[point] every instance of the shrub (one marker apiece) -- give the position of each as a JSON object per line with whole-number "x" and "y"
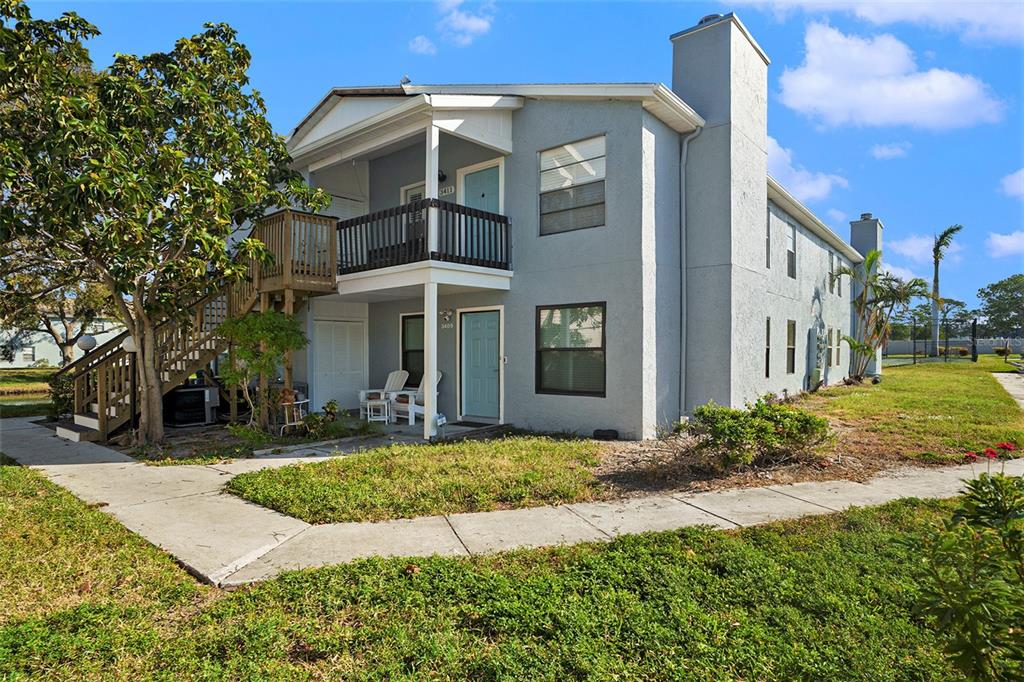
{"x": 765, "y": 431}
{"x": 250, "y": 435}
{"x": 973, "y": 579}
{"x": 1003, "y": 352}
{"x": 62, "y": 394}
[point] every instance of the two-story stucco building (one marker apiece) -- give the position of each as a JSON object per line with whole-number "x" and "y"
{"x": 600, "y": 255}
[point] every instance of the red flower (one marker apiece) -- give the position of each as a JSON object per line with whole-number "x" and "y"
{"x": 991, "y": 453}
{"x": 971, "y": 457}
{"x": 1010, "y": 447}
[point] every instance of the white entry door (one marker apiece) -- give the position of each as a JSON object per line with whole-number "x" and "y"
{"x": 339, "y": 367}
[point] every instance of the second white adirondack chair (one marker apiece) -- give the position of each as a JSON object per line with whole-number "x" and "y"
{"x": 410, "y": 403}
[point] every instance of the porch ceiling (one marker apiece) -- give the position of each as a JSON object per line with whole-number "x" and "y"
{"x": 406, "y": 281}
{"x": 413, "y": 291}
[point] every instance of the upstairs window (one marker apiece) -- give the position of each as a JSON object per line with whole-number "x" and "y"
{"x": 571, "y": 349}
{"x": 839, "y": 279}
{"x": 572, "y": 186}
{"x": 767, "y": 347}
{"x": 839, "y": 337}
{"x": 768, "y": 240}
{"x": 831, "y": 272}
{"x": 791, "y": 251}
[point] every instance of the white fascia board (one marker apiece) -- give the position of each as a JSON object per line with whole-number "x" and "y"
{"x": 421, "y": 272}
{"x": 445, "y": 102}
{"x": 415, "y": 106}
{"x": 793, "y": 207}
{"x": 656, "y": 97}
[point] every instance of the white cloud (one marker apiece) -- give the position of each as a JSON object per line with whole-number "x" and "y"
{"x": 918, "y": 248}
{"x": 974, "y": 20}
{"x": 836, "y": 216}
{"x": 850, "y": 80}
{"x": 898, "y": 271}
{"x": 805, "y": 185}
{"x": 999, "y": 245}
{"x": 422, "y": 45}
{"x": 893, "y": 150}
{"x": 463, "y": 26}
{"x": 1013, "y": 184}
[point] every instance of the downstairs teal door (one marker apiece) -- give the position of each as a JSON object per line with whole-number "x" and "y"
{"x": 481, "y": 364}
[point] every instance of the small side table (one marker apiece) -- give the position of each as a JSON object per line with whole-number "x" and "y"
{"x": 378, "y": 411}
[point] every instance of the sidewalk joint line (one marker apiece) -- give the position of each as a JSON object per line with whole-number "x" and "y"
{"x": 707, "y": 511}
{"x": 588, "y": 522}
{"x": 456, "y": 534}
{"x": 800, "y": 499}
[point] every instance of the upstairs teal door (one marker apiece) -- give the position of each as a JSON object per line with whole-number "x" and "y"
{"x": 480, "y": 189}
{"x": 481, "y": 374}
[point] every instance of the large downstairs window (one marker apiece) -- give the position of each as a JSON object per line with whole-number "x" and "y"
{"x": 572, "y": 186}
{"x": 571, "y": 349}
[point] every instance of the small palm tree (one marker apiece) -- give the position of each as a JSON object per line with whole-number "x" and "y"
{"x": 879, "y": 296}
{"x": 942, "y": 242}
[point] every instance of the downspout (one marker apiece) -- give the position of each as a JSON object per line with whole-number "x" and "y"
{"x": 682, "y": 268}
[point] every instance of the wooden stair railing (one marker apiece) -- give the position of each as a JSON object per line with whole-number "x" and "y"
{"x": 102, "y": 379}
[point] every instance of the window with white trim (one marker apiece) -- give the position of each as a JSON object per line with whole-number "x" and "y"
{"x": 572, "y": 186}
{"x": 28, "y": 354}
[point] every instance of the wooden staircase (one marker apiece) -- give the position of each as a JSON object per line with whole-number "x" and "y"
{"x": 304, "y": 250}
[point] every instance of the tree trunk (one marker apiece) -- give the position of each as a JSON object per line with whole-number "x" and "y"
{"x": 151, "y": 417}
{"x": 67, "y": 353}
{"x": 935, "y": 310}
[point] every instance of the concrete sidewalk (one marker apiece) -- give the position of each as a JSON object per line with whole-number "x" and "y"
{"x": 228, "y": 541}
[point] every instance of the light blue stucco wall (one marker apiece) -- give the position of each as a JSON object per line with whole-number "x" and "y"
{"x": 596, "y": 264}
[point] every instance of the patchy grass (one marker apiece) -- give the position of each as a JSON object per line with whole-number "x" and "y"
{"x": 821, "y": 598}
{"x": 25, "y": 380}
{"x": 931, "y": 412}
{"x": 403, "y": 481}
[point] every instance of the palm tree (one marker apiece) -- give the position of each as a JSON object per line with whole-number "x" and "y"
{"x": 879, "y": 296}
{"x": 942, "y": 242}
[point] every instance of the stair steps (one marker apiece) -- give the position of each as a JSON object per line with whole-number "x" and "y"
{"x": 77, "y": 433}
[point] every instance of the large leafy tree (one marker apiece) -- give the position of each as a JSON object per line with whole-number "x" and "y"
{"x": 942, "y": 242}
{"x": 1002, "y": 305}
{"x": 137, "y": 176}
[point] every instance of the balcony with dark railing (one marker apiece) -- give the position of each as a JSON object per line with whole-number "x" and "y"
{"x": 401, "y": 235}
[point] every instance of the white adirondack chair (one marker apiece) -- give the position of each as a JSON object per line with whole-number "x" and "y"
{"x": 408, "y": 404}
{"x": 396, "y": 382}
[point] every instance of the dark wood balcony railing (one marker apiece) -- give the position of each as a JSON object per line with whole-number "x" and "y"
{"x": 398, "y": 235}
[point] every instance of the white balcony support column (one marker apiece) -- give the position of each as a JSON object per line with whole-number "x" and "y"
{"x": 430, "y": 184}
{"x": 429, "y": 359}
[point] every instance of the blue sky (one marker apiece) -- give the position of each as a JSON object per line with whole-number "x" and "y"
{"x": 910, "y": 110}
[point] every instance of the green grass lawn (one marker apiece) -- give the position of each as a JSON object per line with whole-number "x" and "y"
{"x": 931, "y": 411}
{"x": 403, "y": 481}
{"x": 27, "y": 380}
{"x": 823, "y": 598}
{"x": 41, "y": 409}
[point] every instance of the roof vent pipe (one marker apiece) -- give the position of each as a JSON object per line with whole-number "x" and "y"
{"x": 708, "y": 18}
{"x": 866, "y": 216}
